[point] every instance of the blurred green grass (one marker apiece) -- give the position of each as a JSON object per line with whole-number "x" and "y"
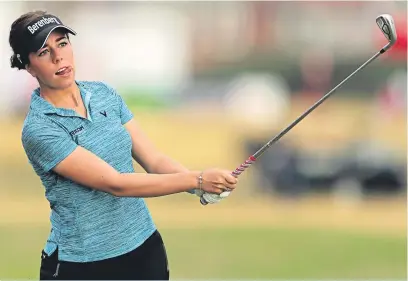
{"x": 240, "y": 253}
{"x": 211, "y": 252}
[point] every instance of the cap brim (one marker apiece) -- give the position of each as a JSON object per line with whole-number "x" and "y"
{"x": 42, "y": 37}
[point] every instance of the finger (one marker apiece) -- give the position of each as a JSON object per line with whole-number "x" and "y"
{"x": 229, "y": 186}
{"x": 217, "y": 190}
{"x": 229, "y": 178}
{"x": 219, "y": 186}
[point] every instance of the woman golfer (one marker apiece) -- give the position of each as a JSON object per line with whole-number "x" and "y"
{"x": 80, "y": 139}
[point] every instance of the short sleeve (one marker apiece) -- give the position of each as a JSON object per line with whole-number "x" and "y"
{"x": 46, "y": 144}
{"x": 125, "y": 114}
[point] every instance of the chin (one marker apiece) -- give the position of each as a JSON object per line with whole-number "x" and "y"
{"x": 65, "y": 83}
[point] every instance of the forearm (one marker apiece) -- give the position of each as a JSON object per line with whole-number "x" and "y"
{"x": 166, "y": 165}
{"x": 154, "y": 185}
{"x": 85, "y": 168}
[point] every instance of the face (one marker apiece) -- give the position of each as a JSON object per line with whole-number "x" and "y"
{"x": 53, "y": 65}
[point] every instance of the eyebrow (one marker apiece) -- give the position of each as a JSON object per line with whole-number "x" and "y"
{"x": 58, "y": 39}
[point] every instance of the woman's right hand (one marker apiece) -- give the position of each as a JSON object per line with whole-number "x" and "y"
{"x": 218, "y": 180}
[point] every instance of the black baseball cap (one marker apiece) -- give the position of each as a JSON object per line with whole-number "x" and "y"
{"x": 39, "y": 29}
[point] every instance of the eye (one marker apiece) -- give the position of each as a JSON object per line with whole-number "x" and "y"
{"x": 42, "y": 53}
{"x": 63, "y": 44}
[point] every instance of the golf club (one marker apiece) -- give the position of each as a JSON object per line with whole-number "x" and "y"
{"x": 386, "y": 23}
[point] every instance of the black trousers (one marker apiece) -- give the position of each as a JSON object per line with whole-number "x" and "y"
{"x": 147, "y": 262}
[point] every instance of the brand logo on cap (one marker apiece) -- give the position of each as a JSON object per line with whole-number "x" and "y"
{"x": 42, "y": 22}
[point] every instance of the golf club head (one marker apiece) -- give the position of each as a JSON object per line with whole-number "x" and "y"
{"x": 386, "y": 23}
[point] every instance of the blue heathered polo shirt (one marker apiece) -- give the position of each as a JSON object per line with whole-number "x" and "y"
{"x": 86, "y": 224}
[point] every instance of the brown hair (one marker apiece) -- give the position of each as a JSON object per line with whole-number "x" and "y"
{"x": 16, "y": 39}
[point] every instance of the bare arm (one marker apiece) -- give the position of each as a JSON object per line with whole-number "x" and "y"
{"x": 148, "y": 156}
{"x": 87, "y": 169}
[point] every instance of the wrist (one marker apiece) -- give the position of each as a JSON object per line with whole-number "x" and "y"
{"x": 194, "y": 180}
{"x": 200, "y": 181}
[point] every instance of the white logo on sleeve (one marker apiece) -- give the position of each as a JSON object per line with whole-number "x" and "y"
{"x": 44, "y": 21}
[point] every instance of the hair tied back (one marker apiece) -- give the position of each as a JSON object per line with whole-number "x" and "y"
{"x": 16, "y": 61}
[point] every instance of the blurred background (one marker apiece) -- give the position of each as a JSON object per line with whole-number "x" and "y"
{"x": 210, "y": 83}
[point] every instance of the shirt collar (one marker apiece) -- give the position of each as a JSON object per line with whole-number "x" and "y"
{"x": 41, "y": 105}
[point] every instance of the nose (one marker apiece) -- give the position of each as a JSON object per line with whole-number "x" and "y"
{"x": 56, "y": 56}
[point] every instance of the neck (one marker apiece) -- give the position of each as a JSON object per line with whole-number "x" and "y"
{"x": 66, "y": 98}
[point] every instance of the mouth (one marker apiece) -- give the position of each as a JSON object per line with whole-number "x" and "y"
{"x": 63, "y": 71}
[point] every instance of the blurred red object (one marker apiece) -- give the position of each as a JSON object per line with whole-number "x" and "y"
{"x": 399, "y": 51}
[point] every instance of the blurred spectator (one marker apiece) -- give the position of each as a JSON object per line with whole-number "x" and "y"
{"x": 391, "y": 98}
{"x": 258, "y": 100}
